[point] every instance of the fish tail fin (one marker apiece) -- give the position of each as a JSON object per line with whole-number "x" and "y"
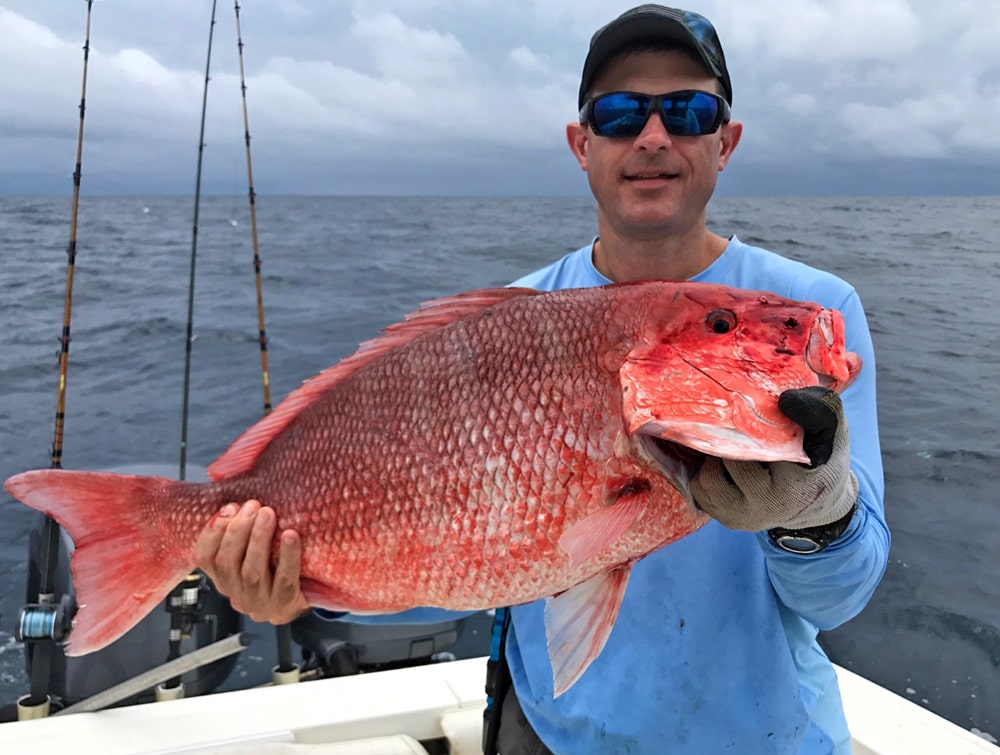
{"x": 125, "y": 561}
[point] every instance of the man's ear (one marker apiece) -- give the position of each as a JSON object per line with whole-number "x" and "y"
{"x": 730, "y": 136}
{"x": 578, "y": 138}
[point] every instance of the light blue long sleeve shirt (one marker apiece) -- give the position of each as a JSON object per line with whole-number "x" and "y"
{"x": 715, "y": 648}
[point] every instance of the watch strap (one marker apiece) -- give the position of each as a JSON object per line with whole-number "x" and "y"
{"x": 810, "y": 539}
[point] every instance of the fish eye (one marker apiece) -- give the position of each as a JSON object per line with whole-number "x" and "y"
{"x": 721, "y": 321}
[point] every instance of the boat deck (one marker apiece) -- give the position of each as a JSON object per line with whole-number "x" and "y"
{"x": 393, "y": 712}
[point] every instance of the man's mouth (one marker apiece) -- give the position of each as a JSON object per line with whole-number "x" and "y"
{"x": 650, "y": 176}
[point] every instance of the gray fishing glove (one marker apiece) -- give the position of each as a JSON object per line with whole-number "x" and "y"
{"x": 755, "y": 496}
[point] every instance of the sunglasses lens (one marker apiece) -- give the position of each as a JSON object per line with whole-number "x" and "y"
{"x": 619, "y": 114}
{"x": 691, "y": 114}
{"x": 684, "y": 113}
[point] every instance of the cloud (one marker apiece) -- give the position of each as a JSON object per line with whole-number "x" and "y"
{"x": 824, "y": 31}
{"x": 855, "y": 80}
{"x": 470, "y": 93}
{"x": 411, "y": 54}
{"x": 35, "y": 61}
{"x": 24, "y": 34}
{"x": 421, "y": 87}
{"x": 527, "y": 61}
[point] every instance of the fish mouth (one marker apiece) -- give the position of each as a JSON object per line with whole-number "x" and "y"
{"x": 678, "y": 463}
{"x": 834, "y": 371}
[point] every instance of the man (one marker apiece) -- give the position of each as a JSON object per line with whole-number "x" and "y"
{"x": 714, "y": 649}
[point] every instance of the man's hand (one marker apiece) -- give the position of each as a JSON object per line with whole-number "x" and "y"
{"x": 755, "y": 496}
{"x": 234, "y": 550}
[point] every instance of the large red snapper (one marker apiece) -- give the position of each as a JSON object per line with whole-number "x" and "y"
{"x": 495, "y": 448}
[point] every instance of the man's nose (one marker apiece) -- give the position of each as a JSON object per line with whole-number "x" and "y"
{"x": 654, "y": 134}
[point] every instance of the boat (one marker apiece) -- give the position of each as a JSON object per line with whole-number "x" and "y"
{"x": 378, "y": 689}
{"x": 421, "y": 710}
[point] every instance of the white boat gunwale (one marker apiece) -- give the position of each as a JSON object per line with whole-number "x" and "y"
{"x": 391, "y": 711}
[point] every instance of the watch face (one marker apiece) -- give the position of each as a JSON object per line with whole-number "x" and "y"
{"x": 811, "y": 539}
{"x": 798, "y": 543}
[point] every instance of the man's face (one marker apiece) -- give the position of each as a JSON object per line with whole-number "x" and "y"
{"x": 654, "y": 183}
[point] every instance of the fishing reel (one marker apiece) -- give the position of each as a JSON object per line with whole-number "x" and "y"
{"x": 185, "y": 606}
{"x": 46, "y": 620}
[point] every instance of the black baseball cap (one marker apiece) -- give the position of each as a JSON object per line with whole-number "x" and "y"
{"x": 683, "y": 28}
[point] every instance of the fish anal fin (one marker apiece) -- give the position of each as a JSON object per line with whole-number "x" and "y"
{"x": 244, "y": 451}
{"x": 579, "y": 621}
{"x": 596, "y": 531}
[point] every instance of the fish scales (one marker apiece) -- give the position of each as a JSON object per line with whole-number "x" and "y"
{"x": 497, "y": 447}
{"x": 425, "y": 466}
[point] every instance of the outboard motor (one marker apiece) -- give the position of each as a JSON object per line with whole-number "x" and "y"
{"x": 341, "y": 647}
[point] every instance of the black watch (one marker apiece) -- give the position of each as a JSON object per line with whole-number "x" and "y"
{"x": 810, "y": 539}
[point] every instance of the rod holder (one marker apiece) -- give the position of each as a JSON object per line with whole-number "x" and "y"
{"x": 292, "y": 676}
{"x": 26, "y": 711}
{"x": 164, "y": 693}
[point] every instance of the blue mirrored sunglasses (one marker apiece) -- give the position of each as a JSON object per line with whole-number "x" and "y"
{"x": 687, "y": 113}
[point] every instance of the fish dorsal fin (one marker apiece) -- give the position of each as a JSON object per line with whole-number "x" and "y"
{"x": 245, "y": 450}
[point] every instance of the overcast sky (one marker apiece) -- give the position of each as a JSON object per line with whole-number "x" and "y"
{"x": 472, "y": 96}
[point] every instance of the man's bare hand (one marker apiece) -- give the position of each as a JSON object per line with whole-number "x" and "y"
{"x": 234, "y": 550}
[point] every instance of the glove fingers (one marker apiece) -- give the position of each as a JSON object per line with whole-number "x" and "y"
{"x": 752, "y": 477}
{"x": 820, "y": 412}
{"x": 713, "y": 489}
{"x": 727, "y": 491}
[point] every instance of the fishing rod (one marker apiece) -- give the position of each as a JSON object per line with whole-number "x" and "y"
{"x": 253, "y": 223}
{"x": 286, "y": 671}
{"x": 189, "y": 340}
{"x": 183, "y": 603}
{"x": 46, "y": 621}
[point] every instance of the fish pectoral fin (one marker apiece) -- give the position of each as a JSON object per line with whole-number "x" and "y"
{"x": 578, "y": 623}
{"x": 595, "y": 532}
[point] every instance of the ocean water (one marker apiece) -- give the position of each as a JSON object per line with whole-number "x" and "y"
{"x": 336, "y": 270}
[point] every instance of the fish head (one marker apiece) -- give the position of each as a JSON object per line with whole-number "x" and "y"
{"x": 706, "y": 374}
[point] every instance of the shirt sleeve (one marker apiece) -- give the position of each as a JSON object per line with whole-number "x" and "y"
{"x": 834, "y": 585}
